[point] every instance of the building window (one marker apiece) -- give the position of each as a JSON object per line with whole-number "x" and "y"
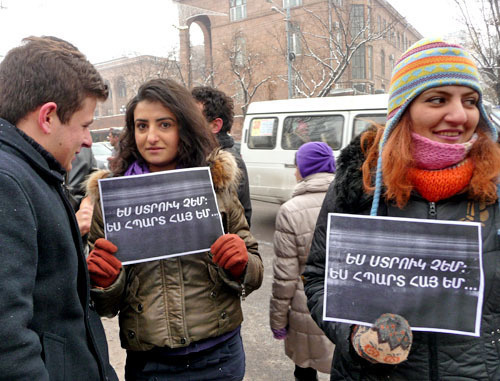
{"x": 291, "y": 3}
{"x": 121, "y": 88}
{"x": 379, "y": 22}
{"x": 391, "y": 61}
{"x": 359, "y": 64}
{"x": 357, "y": 18}
{"x": 382, "y": 63}
{"x": 369, "y": 62}
{"x": 110, "y": 92}
{"x": 237, "y": 9}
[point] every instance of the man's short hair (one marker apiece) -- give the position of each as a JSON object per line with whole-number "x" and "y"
{"x": 114, "y": 132}
{"x": 216, "y": 104}
{"x": 47, "y": 69}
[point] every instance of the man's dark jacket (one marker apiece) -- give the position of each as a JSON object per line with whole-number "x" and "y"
{"x": 227, "y": 143}
{"x": 81, "y": 167}
{"x": 433, "y": 356}
{"x": 47, "y": 328}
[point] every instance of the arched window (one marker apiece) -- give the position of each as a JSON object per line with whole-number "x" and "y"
{"x": 121, "y": 87}
{"x": 110, "y": 90}
{"x": 382, "y": 63}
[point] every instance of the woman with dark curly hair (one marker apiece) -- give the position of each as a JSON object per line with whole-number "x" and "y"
{"x": 179, "y": 317}
{"x": 436, "y": 158}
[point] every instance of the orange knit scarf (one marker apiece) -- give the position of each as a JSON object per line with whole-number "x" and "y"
{"x": 442, "y": 183}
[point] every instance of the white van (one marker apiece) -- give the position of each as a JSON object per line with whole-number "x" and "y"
{"x": 274, "y": 130}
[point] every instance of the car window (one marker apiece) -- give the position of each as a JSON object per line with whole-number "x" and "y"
{"x": 363, "y": 121}
{"x": 298, "y": 130}
{"x": 263, "y": 133}
{"x": 100, "y": 149}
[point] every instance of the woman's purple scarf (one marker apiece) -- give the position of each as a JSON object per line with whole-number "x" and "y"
{"x": 137, "y": 168}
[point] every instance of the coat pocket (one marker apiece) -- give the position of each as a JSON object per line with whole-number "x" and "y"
{"x": 54, "y": 349}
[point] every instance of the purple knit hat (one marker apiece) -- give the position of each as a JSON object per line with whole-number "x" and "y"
{"x": 314, "y": 157}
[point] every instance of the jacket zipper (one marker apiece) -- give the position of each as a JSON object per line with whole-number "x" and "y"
{"x": 432, "y": 213}
{"x": 432, "y": 343}
{"x": 243, "y": 292}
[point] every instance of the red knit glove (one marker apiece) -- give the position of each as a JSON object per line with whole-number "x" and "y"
{"x": 230, "y": 253}
{"x": 103, "y": 266}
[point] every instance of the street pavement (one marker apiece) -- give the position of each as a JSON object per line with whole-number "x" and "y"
{"x": 265, "y": 356}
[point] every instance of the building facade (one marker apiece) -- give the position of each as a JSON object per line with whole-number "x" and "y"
{"x": 123, "y": 77}
{"x": 275, "y": 49}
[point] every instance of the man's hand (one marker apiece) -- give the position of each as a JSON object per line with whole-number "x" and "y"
{"x": 84, "y": 215}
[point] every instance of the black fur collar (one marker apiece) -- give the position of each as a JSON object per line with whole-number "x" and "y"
{"x": 348, "y": 184}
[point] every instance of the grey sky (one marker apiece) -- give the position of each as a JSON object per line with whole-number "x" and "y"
{"x": 107, "y": 29}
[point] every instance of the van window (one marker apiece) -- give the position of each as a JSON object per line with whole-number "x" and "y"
{"x": 263, "y": 133}
{"x": 298, "y": 130}
{"x": 363, "y": 121}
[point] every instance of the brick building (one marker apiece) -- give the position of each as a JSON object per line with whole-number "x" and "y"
{"x": 333, "y": 45}
{"x": 123, "y": 77}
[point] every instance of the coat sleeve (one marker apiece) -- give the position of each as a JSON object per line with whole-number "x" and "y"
{"x": 107, "y": 301}
{"x": 314, "y": 278}
{"x": 285, "y": 269}
{"x": 20, "y": 348}
{"x": 254, "y": 273}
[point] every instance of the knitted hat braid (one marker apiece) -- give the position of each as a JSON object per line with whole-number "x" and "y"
{"x": 426, "y": 64}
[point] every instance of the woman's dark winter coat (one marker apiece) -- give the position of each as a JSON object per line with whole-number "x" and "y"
{"x": 433, "y": 356}
{"x": 47, "y": 330}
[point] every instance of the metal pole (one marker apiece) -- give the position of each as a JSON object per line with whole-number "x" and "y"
{"x": 289, "y": 50}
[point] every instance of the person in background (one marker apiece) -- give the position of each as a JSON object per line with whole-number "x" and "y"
{"x": 48, "y": 329}
{"x": 436, "y": 158}
{"x": 218, "y": 110}
{"x": 81, "y": 167}
{"x": 305, "y": 343}
{"x": 113, "y": 139}
{"x": 179, "y": 317}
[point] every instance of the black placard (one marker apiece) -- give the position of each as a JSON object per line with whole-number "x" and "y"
{"x": 428, "y": 271}
{"x": 160, "y": 215}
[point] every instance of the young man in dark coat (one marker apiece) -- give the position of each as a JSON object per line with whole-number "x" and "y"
{"x": 48, "y": 329}
{"x": 218, "y": 110}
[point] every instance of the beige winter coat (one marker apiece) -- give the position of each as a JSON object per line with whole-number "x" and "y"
{"x": 306, "y": 343}
{"x": 177, "y": 301}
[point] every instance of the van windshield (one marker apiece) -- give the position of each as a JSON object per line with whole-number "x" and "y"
{"x": 298, "y": 130}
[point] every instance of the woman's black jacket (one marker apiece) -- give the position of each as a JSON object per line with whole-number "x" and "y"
{"x": 433, "y": 356}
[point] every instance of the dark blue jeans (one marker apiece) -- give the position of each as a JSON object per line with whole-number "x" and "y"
{"x": 225, "y": 361}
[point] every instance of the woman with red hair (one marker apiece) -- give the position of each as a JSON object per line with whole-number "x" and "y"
{"x": 436, "y": 158}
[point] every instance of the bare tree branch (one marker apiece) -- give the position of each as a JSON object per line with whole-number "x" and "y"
{"x": 329, "y": 39}
{"x": 482, "y": 24}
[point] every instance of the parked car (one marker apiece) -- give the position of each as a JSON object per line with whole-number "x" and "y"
{"x": 101, "y": 151}
{"x": 101, "y": 135}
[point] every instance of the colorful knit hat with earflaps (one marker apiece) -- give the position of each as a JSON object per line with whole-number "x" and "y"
{"x": 426, "y": 64}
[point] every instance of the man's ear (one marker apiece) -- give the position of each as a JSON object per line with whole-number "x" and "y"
{"x": 46, "y": 116}
{"x": 216, "y": 125}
